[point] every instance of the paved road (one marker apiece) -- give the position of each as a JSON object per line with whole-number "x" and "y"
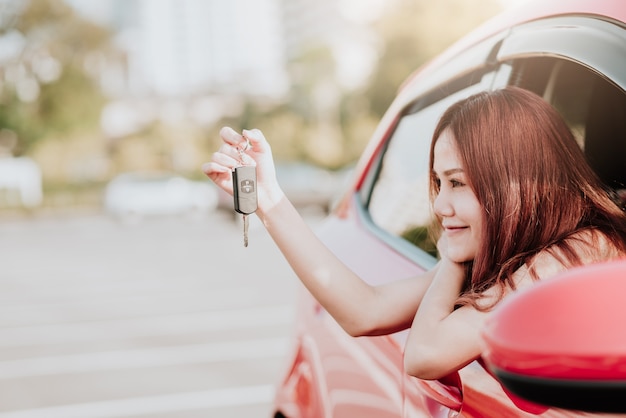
{"x": 163, "y": 318}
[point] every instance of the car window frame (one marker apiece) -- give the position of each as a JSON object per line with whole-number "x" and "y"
{"x": 485, "y": 75}
{"x": 494, "y": 54}
{"x": 575, "y": 38}
{"x": 605, "y": 59}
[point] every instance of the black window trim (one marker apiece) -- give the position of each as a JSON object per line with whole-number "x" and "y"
{"x": 595, "y": 43}
{"x": 364, "y": 194}
{"x": 522, "y": 41}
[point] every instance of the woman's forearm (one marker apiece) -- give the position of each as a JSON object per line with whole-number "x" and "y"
{"x": 337, "y": 288}
{"x": 358, "y": 307}
{"x": 442, "y": 339}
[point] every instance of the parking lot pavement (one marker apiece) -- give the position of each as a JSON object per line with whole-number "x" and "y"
{"x": 166, "y": 317}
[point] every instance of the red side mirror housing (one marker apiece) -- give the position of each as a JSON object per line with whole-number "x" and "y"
{"x": 562, "y": 342}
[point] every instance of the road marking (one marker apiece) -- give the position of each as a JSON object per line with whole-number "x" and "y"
{"x": 149, "y": 357}
{"x": 95, "y": 308}
{"x": 146, "y": 326}
{"x": 170, "y": 403}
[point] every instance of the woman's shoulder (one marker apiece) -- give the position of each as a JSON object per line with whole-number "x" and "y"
{"x": 594, "y": 246}
{"x": 583, "y": 247}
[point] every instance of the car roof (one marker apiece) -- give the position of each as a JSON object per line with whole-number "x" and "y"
{"x": 609, "y": 10}
{"x": 429, "y": 75}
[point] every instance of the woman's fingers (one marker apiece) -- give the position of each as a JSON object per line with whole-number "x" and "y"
{"x": 253, "y": 137}
{"x": 237, "y": 147}
{"x": 228, "y": 156}
{"x": 213, "y": 168}
{"x": 257, "y": 140}
{"x": 219, "y": 174}
{"x": 232, "y": 138}
{"x": 250, "y": 149}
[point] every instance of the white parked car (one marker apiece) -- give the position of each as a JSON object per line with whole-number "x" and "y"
{"x": 139, "y": 194}
{"x": 21, "y": 182}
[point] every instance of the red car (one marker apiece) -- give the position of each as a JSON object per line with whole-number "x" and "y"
{"x": 573, "y": 53}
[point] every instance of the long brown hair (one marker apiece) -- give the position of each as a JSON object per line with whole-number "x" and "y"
{"x": 532, "y": 180}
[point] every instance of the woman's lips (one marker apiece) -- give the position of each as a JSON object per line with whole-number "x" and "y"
{"x": 453, "y": 229}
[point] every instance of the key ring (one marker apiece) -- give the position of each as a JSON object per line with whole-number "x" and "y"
{"x": 241, "y": 153}
{"x": 241, "y": 150}
{"x": 248, "y": 145}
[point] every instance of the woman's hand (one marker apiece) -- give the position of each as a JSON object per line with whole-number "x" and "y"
{"x": 455, "y": 272}
{"x": 357, "y": 306}
{"x": 442, "y": 338}
{"x": 233, "y": 153}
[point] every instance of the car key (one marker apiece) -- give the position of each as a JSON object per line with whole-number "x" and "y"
{"x": 244, "y": 190}
{"x": 244, "y": 193}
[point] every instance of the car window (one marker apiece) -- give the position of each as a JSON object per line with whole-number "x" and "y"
{"x": 593, "y": 107}
{"x": 398, "y": 202}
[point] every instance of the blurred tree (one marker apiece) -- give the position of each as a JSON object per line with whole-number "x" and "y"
{"x": 292, "y": 126}
{"x": 414, "y": 31}
{"x": 306, "y": 72}
{"x": 47, "y": 91}
{"x": 411, "y": 32}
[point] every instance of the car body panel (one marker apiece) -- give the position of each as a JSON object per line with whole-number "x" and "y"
{"x": 546, "y": 345}
{"x": 336, "y": 360}
{"x": 529, "y": 344}
{"x": 574, "y": 38}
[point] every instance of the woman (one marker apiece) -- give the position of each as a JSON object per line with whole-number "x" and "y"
{"x": 515, "y": 202}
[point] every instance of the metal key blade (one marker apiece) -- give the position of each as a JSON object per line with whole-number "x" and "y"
{"x": 245, "y": 230}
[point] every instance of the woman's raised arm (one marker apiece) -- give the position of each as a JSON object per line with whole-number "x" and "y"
{"x": 359, "y": 308}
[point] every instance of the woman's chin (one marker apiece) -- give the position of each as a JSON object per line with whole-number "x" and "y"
{"x": 460, "y": 256}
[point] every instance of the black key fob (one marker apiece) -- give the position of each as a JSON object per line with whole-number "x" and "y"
{"x": 244, "y": 189}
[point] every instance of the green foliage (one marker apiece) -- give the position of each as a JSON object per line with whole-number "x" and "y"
{"x": 306, "y": 72}
{"x": 67, "y": 103}
{"x": 421, "y": 237}
{"x": 57, "y": 112}
{"x": 414, "y": 31}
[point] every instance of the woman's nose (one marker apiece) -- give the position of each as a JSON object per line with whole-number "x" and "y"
{"x": 442, "y": 204}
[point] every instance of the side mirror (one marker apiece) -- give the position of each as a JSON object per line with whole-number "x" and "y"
{"x": 562, "y": 342}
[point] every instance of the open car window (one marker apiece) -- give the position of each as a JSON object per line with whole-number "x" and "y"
{"x": 593, "y": 107}
{"x": 398, "y": 201}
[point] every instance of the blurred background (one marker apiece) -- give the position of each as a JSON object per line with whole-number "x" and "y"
{"x": 125, "y": 289}
{"x": 93, "y": 89}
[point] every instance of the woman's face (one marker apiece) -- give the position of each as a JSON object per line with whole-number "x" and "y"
{"x": 456, "y": 204}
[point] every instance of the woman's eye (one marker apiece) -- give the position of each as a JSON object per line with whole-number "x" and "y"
{"x": 456, "y": 183}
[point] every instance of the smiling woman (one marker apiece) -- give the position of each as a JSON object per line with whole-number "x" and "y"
{"x": 517, "y": 187}
{"x": 456, "y": 204}
{"x": 494, "y": 156}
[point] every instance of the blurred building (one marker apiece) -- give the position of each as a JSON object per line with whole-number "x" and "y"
{"x": 198, "y": 61}
{"x": 211, "y": 46}
{"x": 182, "y": 48}
{"x": 191, "y": 47}
{"x": 339, "y": 25}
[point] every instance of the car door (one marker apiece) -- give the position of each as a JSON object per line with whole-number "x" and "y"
{"x": 394, "y": 203}
{"x": 381, "y": 237}
{"x": 380, "y": 229}
{"x": 581, "y": 72}
{"x": 576, "y": 64}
